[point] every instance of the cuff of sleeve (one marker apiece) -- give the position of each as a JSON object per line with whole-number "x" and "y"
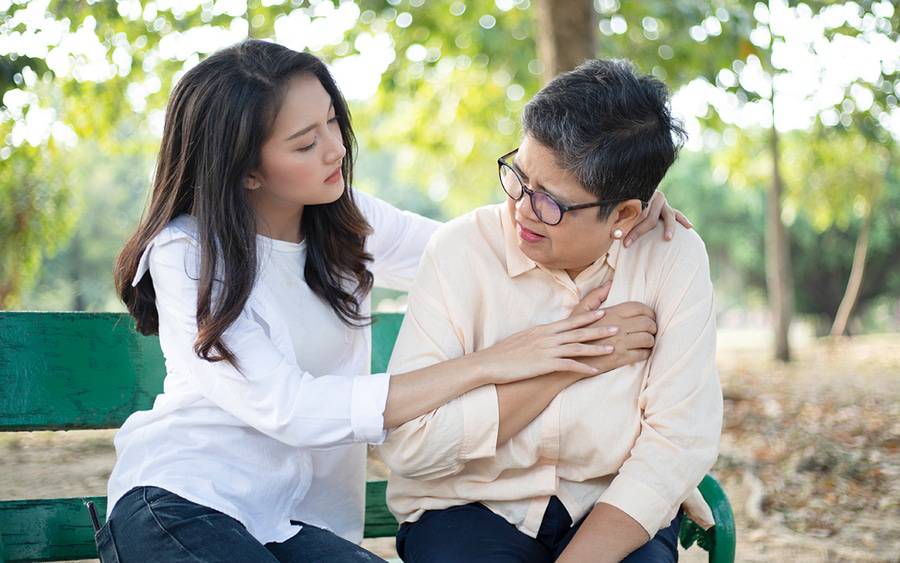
{"x": 368, "y": 399}
{"x": 697, "y": 510}
{"x": 481, "y": 423}
{"x": 639, "y": 501}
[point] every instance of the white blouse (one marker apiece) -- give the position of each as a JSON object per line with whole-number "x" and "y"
{"x": 284, "y": 438}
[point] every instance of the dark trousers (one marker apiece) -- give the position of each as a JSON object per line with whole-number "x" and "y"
{"x": 473, "y": 534}
{"x": 152, "y": 524}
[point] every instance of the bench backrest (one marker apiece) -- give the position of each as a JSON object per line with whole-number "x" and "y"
{"x": 70, "y": 371}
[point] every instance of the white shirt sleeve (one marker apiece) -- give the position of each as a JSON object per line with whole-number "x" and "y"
{"x": 396, "y": 243}
{"x": 269, "y": 392}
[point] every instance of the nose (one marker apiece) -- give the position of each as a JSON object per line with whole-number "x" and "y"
{"x": 524, "y": 208}
{"x": 335, "y": 151}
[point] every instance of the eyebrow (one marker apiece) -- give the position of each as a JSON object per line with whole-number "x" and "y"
{"x": 540, "y": 187}
{"x": 306, "y": 130}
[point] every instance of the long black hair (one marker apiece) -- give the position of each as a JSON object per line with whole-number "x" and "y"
{"x": 218, "y": 117}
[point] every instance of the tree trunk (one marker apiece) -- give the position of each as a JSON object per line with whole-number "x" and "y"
{"x": 851, "y": 294}
{"x": 566, "y": 34}
{"x": 79, "y": 303}
{"x": 779, "y": 279}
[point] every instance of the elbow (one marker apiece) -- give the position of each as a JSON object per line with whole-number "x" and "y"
{"x": 705, "y": 455}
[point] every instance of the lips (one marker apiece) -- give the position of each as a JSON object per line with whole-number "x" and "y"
{"x": 528, "y": 235}
{"x": 335, "y": 176}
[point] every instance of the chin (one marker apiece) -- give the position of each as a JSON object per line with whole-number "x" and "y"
{"x": 529, "y": 251}
{"x": 331, "y": 193}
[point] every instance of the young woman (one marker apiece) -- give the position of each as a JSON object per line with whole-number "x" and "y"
{"x": 253, "y": 263}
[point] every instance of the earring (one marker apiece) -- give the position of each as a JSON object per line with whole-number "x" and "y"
{"x": 618, "y": 233}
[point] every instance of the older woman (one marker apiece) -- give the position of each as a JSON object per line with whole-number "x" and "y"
{"x": 568, "y": 467}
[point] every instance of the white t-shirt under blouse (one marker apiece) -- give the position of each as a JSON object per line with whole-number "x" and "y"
{"x": 284, "y": 438}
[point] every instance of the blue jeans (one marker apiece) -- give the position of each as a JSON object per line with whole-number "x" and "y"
{"x": 152, "y": 524}
{"x": 473, "y": 534}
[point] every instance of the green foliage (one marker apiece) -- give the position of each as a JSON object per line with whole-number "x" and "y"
{"x": 730, "y": 215}
{"x": 37, "y": 212}
{"x": 448, "y": 105}
{"x": 835, "y": 176}
{"x": 822, "y": 260}
{"x": 113, "y": 193}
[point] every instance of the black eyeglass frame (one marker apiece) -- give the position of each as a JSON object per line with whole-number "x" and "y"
{"x": 504, "y": 161}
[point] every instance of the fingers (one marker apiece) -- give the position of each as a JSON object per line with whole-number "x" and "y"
{"x": 629, "y": 357}
{"x": 594, "y": 298}
{"x": 588, "y": 334}
{"x": 679, "y": 216}
{"x": 668, "y": 216}
{"x": 638, "y": 341}
{"x": 573, "y": 322}
{"x": 648, "y": 223}
{"x": 631, "y": 309}
{"x": 584, "y": 350}
{"x": 565, "y": 364}
{"x": 638, "y": 323}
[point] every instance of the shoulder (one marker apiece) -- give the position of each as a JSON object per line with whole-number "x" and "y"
{"x": 461, "y": 254}
{"x": 379, "y": 212}
{"x": 175, "y": 248}
{"x": 388, "y": 220}
{"x": 462, "y": 239}
{"x": 686, "y": 252}
{"x": 179, "y": 237}
{"x": 181, "y": 229}
{"x": 370, "y": 206}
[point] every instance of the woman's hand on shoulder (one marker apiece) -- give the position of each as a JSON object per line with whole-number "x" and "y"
{"x": 658, "y": 208}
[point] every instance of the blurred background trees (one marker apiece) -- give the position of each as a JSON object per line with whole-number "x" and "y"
{"x": 792, "y": 109}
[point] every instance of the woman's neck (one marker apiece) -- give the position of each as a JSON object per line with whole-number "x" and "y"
{"x": 278, "y": 220}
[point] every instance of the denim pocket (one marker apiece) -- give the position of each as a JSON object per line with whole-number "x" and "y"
{"x": 106, "y": 546}
{"x": 154, "y": 494}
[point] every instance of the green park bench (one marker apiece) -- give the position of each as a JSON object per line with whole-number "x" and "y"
{"x": 75, "y": 371}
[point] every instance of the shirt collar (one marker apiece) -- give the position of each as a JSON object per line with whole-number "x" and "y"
{"x": 516, "y": 261}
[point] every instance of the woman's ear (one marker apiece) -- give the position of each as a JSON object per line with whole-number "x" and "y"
{"x": 625, "y": 216}
{"x": 253, "y": 181}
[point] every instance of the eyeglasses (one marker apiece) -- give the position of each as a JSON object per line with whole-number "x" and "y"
{"x": 545, "y": 206}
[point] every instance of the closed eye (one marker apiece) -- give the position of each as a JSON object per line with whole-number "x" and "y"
{"x": 310, "y": 146}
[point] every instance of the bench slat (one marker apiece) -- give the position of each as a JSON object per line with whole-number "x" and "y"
{"x": 48, "y": 530}
{"x": 69, "y": 371}
{"x": 65, "y": 371}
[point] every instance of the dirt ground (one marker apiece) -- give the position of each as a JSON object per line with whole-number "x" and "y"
{"x": 810, "y": 454}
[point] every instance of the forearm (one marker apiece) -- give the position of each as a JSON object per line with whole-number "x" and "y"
{"x": 607, "y": 535}
{"x": 414, "y": 393}
{"x": 522, "y": 401}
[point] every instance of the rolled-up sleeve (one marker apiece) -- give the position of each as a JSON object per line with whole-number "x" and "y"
{"x": 268, "y": 392}
{"x": 438, "y": 444}
{"x": 681, "y": 402}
